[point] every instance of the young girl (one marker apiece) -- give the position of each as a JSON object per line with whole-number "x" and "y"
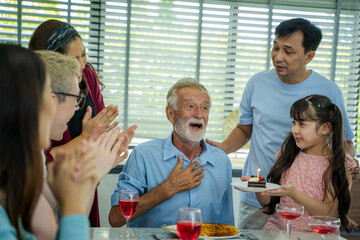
{"x": 311, "y": 167}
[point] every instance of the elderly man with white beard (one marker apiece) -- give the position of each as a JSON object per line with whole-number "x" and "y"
{"x": 181, "y": 170}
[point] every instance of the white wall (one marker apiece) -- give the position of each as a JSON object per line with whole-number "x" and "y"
{"x": 105, "y": 190}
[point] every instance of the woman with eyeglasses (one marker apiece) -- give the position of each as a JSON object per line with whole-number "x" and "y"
{"x": 63, "y": 38}
{"x": 25, "y": 122}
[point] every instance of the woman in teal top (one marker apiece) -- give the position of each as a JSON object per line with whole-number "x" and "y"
{"x": 25, "y": 120}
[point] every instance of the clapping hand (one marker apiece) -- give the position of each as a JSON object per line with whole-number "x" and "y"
{"x": 70, "y": 185}
{"x": 125, "y": 138}
{"x": 111, "y": 148}
{"x": 105, "y": 117}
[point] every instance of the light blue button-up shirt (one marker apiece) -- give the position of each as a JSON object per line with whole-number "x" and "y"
{"x": 150, "y": 164}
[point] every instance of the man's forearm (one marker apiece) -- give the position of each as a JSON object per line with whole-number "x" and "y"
{"x": 238, "y": 137}
{"x": 146, "y": 203}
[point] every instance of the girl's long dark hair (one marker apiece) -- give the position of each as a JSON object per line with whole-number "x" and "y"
{"x": 21, "y": 171}
{"x": 321, "y": 110}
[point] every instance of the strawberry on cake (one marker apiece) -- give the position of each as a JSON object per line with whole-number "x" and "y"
{"x": 256, "y": 182}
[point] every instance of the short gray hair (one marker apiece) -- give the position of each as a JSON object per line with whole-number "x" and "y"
{"x": 60, "y": 69}
{"x": 172, "y": 97}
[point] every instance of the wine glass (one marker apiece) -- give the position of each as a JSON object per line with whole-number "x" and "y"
{"x": 189, "y": 223}
{"x": 323, "y": 225}
{"x": 128, "y": 203}
{"x": 289, "y": 212}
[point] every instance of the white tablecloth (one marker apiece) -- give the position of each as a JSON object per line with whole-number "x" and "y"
{"x": 105, "y": 233}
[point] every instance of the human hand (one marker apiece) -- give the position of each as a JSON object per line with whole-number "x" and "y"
{"x": 215, "y": 144}
{"x": 105, "y": 117}
{"x": 181, "y": 180}
{"x": 129, "y": 133}
{"x": 355, "y": 172}
{"x": 110, "y": 151}
{"x": 86, "y": 163}
{"x": 71, "y": 194}
{"x": 124, "y": 139}
{"x": 245, "y": 178}
{"x": 284, "y": 190}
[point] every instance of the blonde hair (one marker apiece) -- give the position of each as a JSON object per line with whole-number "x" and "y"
{"x": 172, "y": 97}
{"x": 60, "y": 69}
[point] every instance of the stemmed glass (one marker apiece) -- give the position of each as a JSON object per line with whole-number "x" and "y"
{"x": 128, "y": 203}
{"x": 289, "y": 212}
{"x": 189, "y": 223}
{"x": 323, "y": 225}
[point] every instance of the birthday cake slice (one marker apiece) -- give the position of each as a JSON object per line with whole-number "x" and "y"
{"x": 257, "y": 182}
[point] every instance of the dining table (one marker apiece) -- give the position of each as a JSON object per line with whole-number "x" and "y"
{"x": 107, "y": 233}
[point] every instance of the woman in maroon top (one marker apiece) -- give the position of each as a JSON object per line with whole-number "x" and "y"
{"x": 63, "y": 38}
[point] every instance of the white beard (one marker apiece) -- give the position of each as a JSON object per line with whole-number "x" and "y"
{"x": 185, "y": 133}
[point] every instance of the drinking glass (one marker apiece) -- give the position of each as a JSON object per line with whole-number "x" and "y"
{"x": 323, "y": 225}
{"x": 289, "y": 212}
{"x": 189, "y": 223}
{"x": 128, "y": 203}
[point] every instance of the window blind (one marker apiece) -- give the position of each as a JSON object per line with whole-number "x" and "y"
{"x": 19, "y": 19}
{"x": 233, "y": 48}
{"x": 163, "y": 49}
{"x": 109, "y": 30}
{"x": 141, "y": 47}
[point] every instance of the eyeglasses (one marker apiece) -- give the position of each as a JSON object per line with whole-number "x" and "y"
{"x": 79, "y": 98}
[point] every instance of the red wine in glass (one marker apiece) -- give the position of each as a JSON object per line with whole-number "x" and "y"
{"x": 128, "y": 207}
{"x": 289, "y": 215}
{"x": 128, "y": 203}
{"x": 323, "y": 229}
{"x": 323, "y": 225}
{"x": 188, "y": 230}
{"x": 289, "y": 212}
{"x": 189, "y": 223}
